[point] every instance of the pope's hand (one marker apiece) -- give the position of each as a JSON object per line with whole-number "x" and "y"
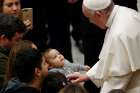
{"x": 76, "y": 77}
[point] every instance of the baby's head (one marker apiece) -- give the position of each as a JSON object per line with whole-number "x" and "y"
{"x": 54, "y": 58}
{"x": 73, "y": 88}
{"x": 54, "y": 82}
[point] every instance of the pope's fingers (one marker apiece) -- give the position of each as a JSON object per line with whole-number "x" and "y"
{"x": 73, "y": 76}
{"x": 76, "y": 80}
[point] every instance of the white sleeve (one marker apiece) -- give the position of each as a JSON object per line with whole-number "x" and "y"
{"x": 118, "y": 82}
{"x": 94, "y": 74}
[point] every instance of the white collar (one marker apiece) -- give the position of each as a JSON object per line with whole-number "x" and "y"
{"x": 111, "y": 17}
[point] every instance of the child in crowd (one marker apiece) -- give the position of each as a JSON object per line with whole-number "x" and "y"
{"x": 57, "y": 62}
{"x": 54, "y": 82}
{"x": 73, "y": 88}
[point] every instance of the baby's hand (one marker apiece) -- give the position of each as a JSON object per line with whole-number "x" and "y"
{"x": 87, "y": 67}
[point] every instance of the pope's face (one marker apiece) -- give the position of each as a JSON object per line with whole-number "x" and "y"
{"x": 95, "y": 17}
{"x": 12, "y": 7}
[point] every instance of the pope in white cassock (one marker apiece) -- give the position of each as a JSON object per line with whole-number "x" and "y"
{"x": 118, "y": 67}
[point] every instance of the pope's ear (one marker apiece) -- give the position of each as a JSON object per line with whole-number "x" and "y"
{"x": 99, "y": 13}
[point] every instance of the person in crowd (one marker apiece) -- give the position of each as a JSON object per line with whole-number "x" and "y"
{"x": 57, "y": 62}
{"x": 17, "y": 48}
{"x": 30, "y": 71}
{"x": 13, "y": 7}
{"x": 36, "y": 30}
{"x": 10, "y": 7}
{"x": 11, "y": 31}
{"x": 54, "y": 82}
{"x": 118, "y": 66}
{"x": 73, "y": 88}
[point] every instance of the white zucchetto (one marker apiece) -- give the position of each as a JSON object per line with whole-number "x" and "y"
{"x": 96, "y": 4}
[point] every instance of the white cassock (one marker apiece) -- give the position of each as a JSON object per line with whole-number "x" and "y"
{"x": 119, "y": 61}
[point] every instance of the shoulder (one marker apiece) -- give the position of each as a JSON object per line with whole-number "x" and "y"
{"x": 3, "y": 56}
{"x": 125, "y": 23}
{"x": 26, "y": 90}
{"x": 3, "y": 53}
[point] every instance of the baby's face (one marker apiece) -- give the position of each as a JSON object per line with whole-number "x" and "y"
{"x": 55, "y": 59}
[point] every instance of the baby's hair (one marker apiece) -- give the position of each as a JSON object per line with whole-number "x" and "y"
{"x": 47, "y": 50}
{"x": 54, "y": 82}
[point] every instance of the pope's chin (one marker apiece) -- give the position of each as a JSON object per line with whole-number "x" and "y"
{"x": 101, "y": 26}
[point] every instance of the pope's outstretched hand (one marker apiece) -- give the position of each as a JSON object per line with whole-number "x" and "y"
{"x": 77, "y": 77}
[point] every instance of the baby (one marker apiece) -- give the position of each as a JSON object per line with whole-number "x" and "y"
{"x": 57, "y": 63}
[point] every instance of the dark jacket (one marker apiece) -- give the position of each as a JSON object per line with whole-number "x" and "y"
{"x": 3, "y": 59}
{"x": 15, "y": 86}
